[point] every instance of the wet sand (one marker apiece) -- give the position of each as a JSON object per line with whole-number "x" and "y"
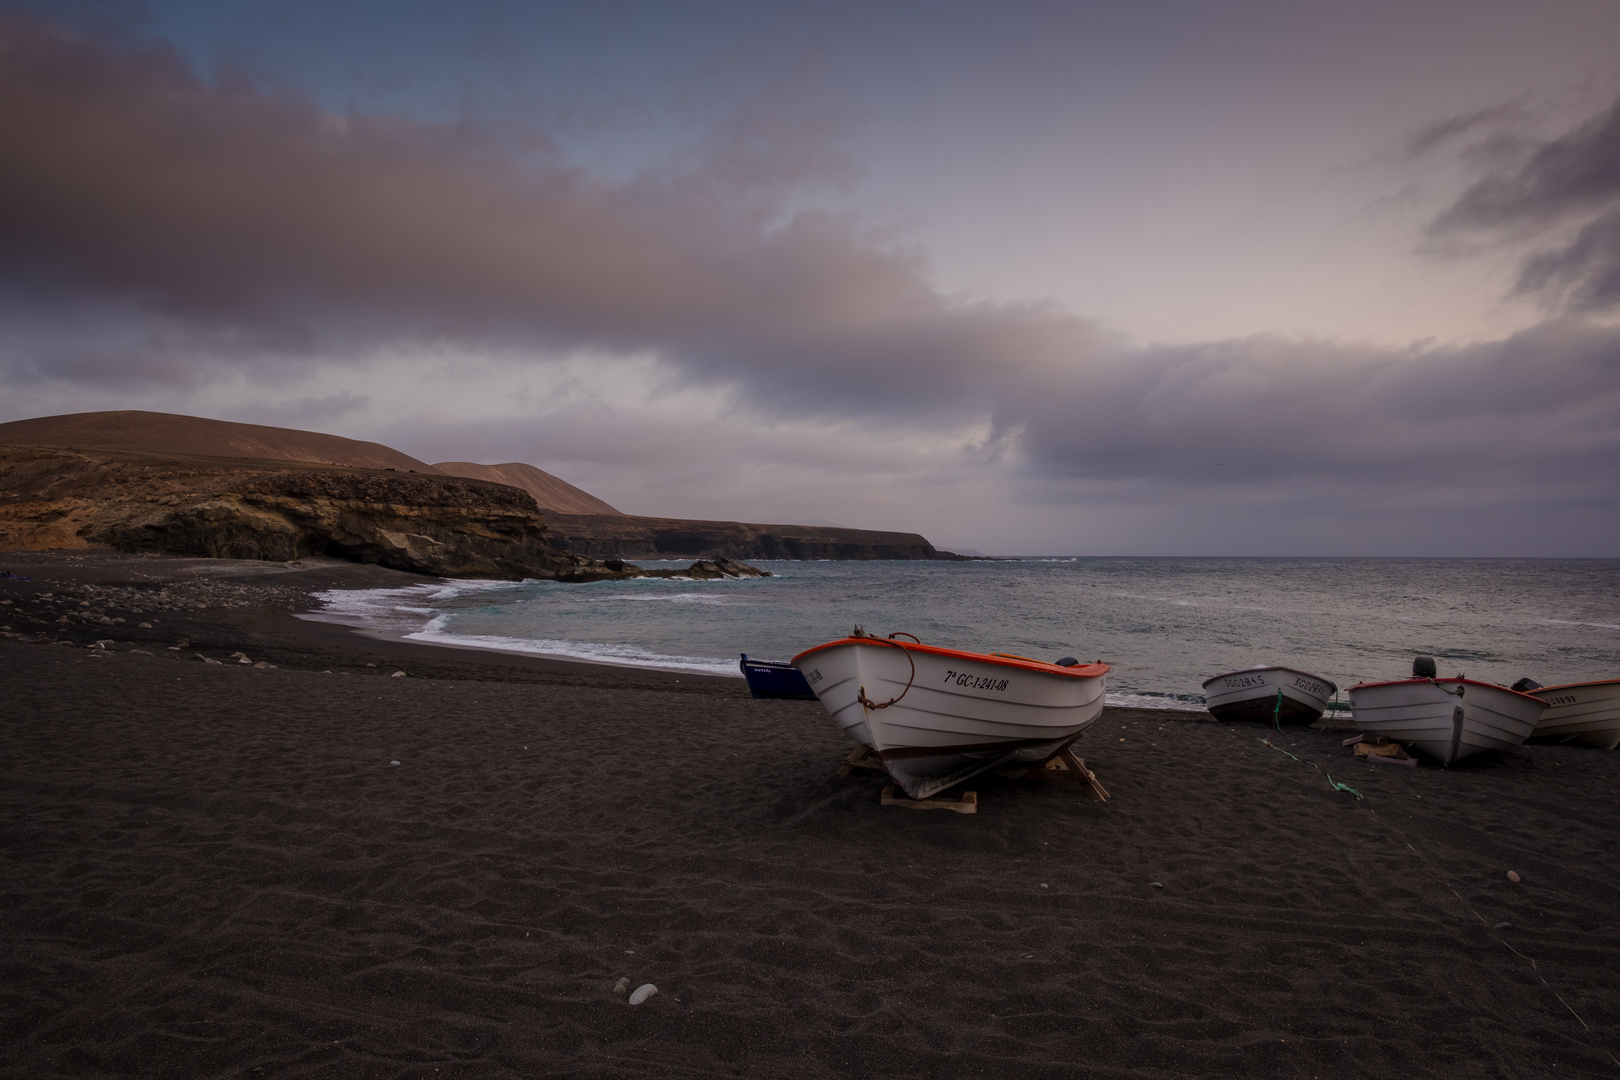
{"x": 217, "y": 870}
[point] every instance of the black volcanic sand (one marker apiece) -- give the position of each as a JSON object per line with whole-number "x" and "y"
{"x": 218, "y": 870}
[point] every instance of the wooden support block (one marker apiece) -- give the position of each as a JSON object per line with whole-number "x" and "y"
{"x": 1382, "y": 749}
{"x": 1056, "y": 769}
{"x": 1077, "y": 765}
{"x": 967, "y": 804}
{"x": 860, "y": 758}
{"x": 1062, "y": 767}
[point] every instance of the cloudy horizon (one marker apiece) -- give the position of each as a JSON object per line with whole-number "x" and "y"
{"x": 1147, "y": 279}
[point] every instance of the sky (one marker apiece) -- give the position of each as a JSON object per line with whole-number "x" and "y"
{"x": 1148, "y": 278}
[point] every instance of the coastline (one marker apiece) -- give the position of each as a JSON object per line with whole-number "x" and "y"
{"x": 216, "y": 622}
{"x": 220, "y": 868}
{"x": 283, "y": 623}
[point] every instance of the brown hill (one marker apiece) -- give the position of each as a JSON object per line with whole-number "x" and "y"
{"x": 168, "y": 433}
{"x": 548, "y": 491}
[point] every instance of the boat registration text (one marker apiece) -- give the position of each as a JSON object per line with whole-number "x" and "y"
{"x": 975, "y": 682}
{"x": 1316, "y": 689}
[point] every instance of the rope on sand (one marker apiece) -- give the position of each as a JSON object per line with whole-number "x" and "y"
{"x": 1346, "y": 788}
{"x": 1493, "y": 931}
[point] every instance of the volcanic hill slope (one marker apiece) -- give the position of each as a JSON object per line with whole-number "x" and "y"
{"x": 194, "y": 436}
{"x": 548, "y": 491}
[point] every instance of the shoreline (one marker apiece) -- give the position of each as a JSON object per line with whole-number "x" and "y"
{"x": 309, "y": 637}
{"x": 266, "y": 625}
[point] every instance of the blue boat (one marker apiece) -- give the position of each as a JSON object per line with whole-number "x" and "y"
{"x": 775, "y": 679}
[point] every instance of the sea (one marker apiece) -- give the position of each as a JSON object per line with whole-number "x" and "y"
{"x": 1164, "y": 624}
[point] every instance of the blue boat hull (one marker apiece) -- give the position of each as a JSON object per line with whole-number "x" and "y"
{"x": 775, "y": 679}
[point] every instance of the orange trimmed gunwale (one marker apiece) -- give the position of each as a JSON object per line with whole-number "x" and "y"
{"x": 1574, "y": 686}
{"x": 1463, "y": 682}
{"x": 1080, "y": 671}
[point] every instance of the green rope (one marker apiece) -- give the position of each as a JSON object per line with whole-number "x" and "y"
{"x": 1336, "y": 785}
{"x": 1276, "y": 714}
{"x": 1341, "y": 787}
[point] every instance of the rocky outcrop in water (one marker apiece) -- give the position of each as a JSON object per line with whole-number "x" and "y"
{"x": 702, "y": 570}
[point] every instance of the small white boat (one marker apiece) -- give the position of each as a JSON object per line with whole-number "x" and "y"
{"x": 936, "y": 717}
{"x": 1587, "y": 714}
{"x": 1448, "y": 719}
{"x": 1281, "y": 694}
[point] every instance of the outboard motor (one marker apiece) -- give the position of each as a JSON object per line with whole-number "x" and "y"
{"x": 1423, "y": 667}
{"x": 1067, "y": 661}
{"x": 1524, "y": 686}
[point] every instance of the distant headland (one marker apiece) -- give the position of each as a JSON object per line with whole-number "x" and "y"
{"x": 145, "y": 481}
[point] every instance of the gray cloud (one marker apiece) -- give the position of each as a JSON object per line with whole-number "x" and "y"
{"x": 123, "y": 175}
{"x": 1541, "y": 408}
{"x": 1585, "y": 273}
{"x": 1485, "y": 124}
{"x": 160, "y": 228}
{"x": 1568, "y": 182}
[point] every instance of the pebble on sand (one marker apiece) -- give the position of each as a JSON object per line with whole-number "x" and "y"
{"x": 622, "y": 987}
{"x": 643, "y": 992}
{"x": 397, "y": 675}
{"x": 1513, "y": 876}
{"x": 393, "y": 763}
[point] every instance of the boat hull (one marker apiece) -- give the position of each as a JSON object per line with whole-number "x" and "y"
{"x": 1252, "y": 695}
{"x": 1448, "y": 719}
{"x": 954, "y": 714}
{"x": 775, "y": 679}
{"x": 1586, "y": 714}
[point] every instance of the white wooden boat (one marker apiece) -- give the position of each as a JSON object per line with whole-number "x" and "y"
{"x": 936, "y": 716}
{"x": 1448, "y": 719}
{"x": 1282, "y": 694}
{"x": 1587, "y": 714}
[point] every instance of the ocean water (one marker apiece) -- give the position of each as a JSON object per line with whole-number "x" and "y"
{"x": 1165, "y": 624}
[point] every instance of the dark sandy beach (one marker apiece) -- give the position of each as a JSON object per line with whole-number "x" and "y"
{"x": 220, "y": 870}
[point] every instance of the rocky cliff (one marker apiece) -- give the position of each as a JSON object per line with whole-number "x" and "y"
{"x": 241, "y": 509}
{"x": 235, "y": 508}
{"x": 417, "y": 515}
{"x": 601, "y": 536}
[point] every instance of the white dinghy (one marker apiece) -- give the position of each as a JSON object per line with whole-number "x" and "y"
{"x": 936, "y": 717}
{"x": 1448, "y": 719}
{"x": 1586, "y": 714}
{"x": 1269, "y": 694}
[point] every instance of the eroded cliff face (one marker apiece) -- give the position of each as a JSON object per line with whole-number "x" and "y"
{"x": 625, "y": 536}
{"x": 231, "y": 508}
